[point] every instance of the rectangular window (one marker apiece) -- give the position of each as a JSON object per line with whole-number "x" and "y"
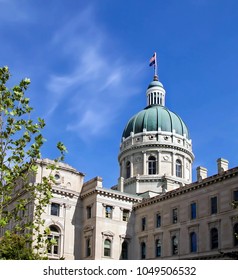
{"x": 213, "y": 205}
{"x": 88, "y": 247}
{"x": 193, "y": 242}
{"x": 158, "y": 220}
{"x": 175, "y": 216}
{"x": 174, "y": 245}
{"x": 108, "y": 211}
{"x": 107, "y": 248}
{"x": 235, "y": 196}
{"x": 125, "y": 215}
{"x": 193, "y": 209}
{"x": 143, "y": 250}
{"x": 55, "y": 209}
{"x": 157, "y": 248}
{"x": 89, "y": 212}
{"x": 143, "y": 224}
{"x": 53, "y": 249}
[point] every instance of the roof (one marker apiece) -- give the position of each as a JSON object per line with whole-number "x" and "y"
{"x": 230, "y": 173}
{"x": 155, "y": 118}
{"x": 155, "y": 83}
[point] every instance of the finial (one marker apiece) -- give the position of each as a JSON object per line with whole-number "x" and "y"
{"x": 156, "y": 78}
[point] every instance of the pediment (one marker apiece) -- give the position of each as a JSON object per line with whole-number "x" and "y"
{"x": 88, "y": 228}
{"x": 108, "y": 233}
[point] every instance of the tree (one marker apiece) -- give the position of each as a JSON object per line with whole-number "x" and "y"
{"x": 21, "y": 141}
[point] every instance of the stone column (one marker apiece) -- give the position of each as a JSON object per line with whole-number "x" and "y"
{"x": 132, "y": 165}
{"x": 173, "y": 165}
{"x": 144, "y": 163}
{"x": 158, "y": 162}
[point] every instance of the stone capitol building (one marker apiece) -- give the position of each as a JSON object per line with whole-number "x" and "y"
{"x": 155, "y": 211}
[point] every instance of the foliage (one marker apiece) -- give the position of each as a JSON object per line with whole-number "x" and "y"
{"x": 21, "y": 141}
{"x": 16, "y": 247}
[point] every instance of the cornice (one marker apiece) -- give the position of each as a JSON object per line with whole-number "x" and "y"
{"x": 59, "y": 166}
{"x": 111, "y": 194}
{"x": 65, "y": 192}
{"x": 143, "y": 179}
{"x": 190, "y": 187}
{"x": 157, "y": 145}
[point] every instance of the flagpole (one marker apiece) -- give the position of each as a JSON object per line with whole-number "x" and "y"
{"x": 155, "y": 66}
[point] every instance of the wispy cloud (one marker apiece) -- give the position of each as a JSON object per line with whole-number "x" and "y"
{"x": 99, "y": 81}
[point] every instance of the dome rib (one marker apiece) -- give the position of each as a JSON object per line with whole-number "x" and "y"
{"x": 154, "y": 117}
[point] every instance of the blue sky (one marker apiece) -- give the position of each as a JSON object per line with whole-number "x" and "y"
{"x": 88, "y": 65}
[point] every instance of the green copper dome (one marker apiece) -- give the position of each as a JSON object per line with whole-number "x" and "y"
{"x": 155, "y": 83}
{"x": 154, "y": 118}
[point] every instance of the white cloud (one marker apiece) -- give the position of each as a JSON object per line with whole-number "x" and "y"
{"x": 98, "y": 84}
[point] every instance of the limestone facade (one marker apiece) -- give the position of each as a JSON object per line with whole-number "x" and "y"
{"x": 195, "y": 221}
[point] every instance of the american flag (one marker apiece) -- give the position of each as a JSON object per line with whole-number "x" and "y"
{"x": 153, "y": 59}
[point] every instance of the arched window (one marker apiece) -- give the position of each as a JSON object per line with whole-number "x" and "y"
{"x": 107, "y": 248}
{"x": 214, "y": 238}
{"x": 178, "y": 168}
{"x": 157, "y": 248}
{"x": 124, "y": 250}
{"x": 193, "y": 242}
{"x": 235, "y": 233}
{"x": 174, "y": 245}
{"x": 143, "y": 250}
{"x": 128, "y": 169}
{"x": 54, "y": 241}
{"x": 152, "y": 165}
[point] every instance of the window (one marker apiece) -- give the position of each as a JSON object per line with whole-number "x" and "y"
{"x": 128, "y": 170}
{"x": 157, "y": 248}
{"x": 152, "y": 165}
{"x": 125, "y": 215}
{"x": 213, "y": 205}
{"x": 158, "y": 220}
{"x": 174, "y": 215}
{"x": 89, "y": 212}
{"x": 214, "y": 238}
{"x": 143, "y": 250}
{"x": 57, "y": 176}
{"x": 55, "y": 209}
{"x": 88, "y": 247}
{"x": 124, "y": 250}
{"x": 108, "y": 211}
{"x": 235, "y": 196}
{"x": 143, "y": 224}
{"x": 107, "y": 248}
{"x": 178, "y": 168}
{"x": 193, "y": 242}
{"x": 174, "y": 245}
{"x": 235, "y": 234}
{"x": 193, "y": 211}
{"x": 53, "y": 241}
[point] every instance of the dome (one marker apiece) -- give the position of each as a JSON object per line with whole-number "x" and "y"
{"x": 154, "y": 118}
{"x": 155, "y": 83}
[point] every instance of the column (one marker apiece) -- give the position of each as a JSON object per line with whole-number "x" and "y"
{"x": 132, "y": 167}
{"x": 144, "y": 163}
{"x": 173, "y": 165}
{"x": 158, "y": 162}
